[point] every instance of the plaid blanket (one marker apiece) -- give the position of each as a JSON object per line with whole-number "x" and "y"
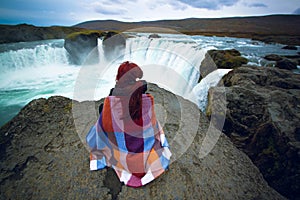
{"x": 138, "y": 154}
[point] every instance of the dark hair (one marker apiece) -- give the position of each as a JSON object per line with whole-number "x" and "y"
{"x": 128, "y": 87}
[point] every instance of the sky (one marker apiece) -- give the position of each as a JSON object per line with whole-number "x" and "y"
{"x": 71, "y": 12}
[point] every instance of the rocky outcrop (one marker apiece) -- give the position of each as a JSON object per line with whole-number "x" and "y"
{"x": 273, "y": 57}
{"x": 43, "y": 157}
{"x": 262, "y": 119}
{"x": 82, "y": 47}
{"x": 290, "y": 47}
{"x": 288, "y": 62}
{"x": 113, "y": 44}
{"x": 221, "y": 59}
{"x": 154, "y": 35}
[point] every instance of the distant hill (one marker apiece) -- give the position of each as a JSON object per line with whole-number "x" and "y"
{"x": 273, "y": 28}
{"x": 26, "y": 33}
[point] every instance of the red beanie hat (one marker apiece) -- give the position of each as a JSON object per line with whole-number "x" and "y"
{"x": 129, "y": 71}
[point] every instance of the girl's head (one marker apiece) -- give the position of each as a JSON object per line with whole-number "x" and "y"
{"x": 129, "y": 72}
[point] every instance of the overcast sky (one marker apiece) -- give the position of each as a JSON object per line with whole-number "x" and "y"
{"x": 71, "y": 12}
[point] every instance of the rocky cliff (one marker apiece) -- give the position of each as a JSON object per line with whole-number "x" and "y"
{"x": 113, "y": 44}
{"x": 262, "y": 119}
{"x": 43, "y": 156}
{"x": 82, "y": 47}
{"x": 221, "y": 59}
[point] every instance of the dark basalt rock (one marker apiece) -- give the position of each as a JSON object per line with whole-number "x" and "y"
{"x": 290, "y": 47}
{"x": 286, "y": 64}
{"x": 154, "y": 35}
{"x": 273, "y": 57}
{"x": 262, "y": 119}
{"x": 113, "y": 44}
{"x": 221, "y": 59}
{"x": 80, "y": 45}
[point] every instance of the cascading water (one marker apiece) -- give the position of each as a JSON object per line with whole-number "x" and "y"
{"x": 159, "y": 58}
{"x": 31, "y": 70}
{"x": 40, "y": 55}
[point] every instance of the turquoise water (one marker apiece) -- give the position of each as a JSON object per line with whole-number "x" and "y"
{"x": 31, "y": 70}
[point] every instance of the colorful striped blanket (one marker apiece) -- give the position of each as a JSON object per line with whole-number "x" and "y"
{"x": 138, "y": 154}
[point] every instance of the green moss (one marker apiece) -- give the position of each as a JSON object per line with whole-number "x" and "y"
{"x": 68, "y": 107}
{"x": 233, "y": 61}
{"x": 46, "y": 108}
{"x": 74, "y": 35}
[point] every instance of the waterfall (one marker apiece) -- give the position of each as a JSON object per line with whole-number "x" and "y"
{"x": 44, "y": 65}
{"x": 31, "y": 70}
{"x": 38, "y": 56}
{"x": 172, "y": 63}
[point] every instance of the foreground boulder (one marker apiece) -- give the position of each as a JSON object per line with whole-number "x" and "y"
{"x": 262, "y": 119}
{"x": 81, "y": 45}
{"x": 43, "y": 157}
{"x": 221, "y": 59}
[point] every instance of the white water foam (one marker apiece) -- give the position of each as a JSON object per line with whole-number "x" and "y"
{"x": 201, "y": 90}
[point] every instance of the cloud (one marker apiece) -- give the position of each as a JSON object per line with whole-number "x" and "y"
{"x": 297, "y": 11}
{"x": 257, "y": 5}
{"x": 110, "y": 11}
{"x": 123, "y": 1}
{"x": 209, "y": 4}
{"x": 109, "y": 8}
{"x": 152, "y": 5}
{"x": 178, "y": 5}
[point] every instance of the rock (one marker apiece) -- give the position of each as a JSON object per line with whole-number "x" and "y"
{"x": 290, "y": 47}
{"x": 273, "y": 57}
{"x": 154, "y": 35}
{"x": 113, "y": 44}
{"x": 221, "y": 59}
{"x": 294, "y": 58}
{"x": 43, "y": 157}
{"x": 262, "y": 119}
{"x": 286, "y": 64}
{"x": 81, "y": 45}
{"x": 284, "y": 61}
